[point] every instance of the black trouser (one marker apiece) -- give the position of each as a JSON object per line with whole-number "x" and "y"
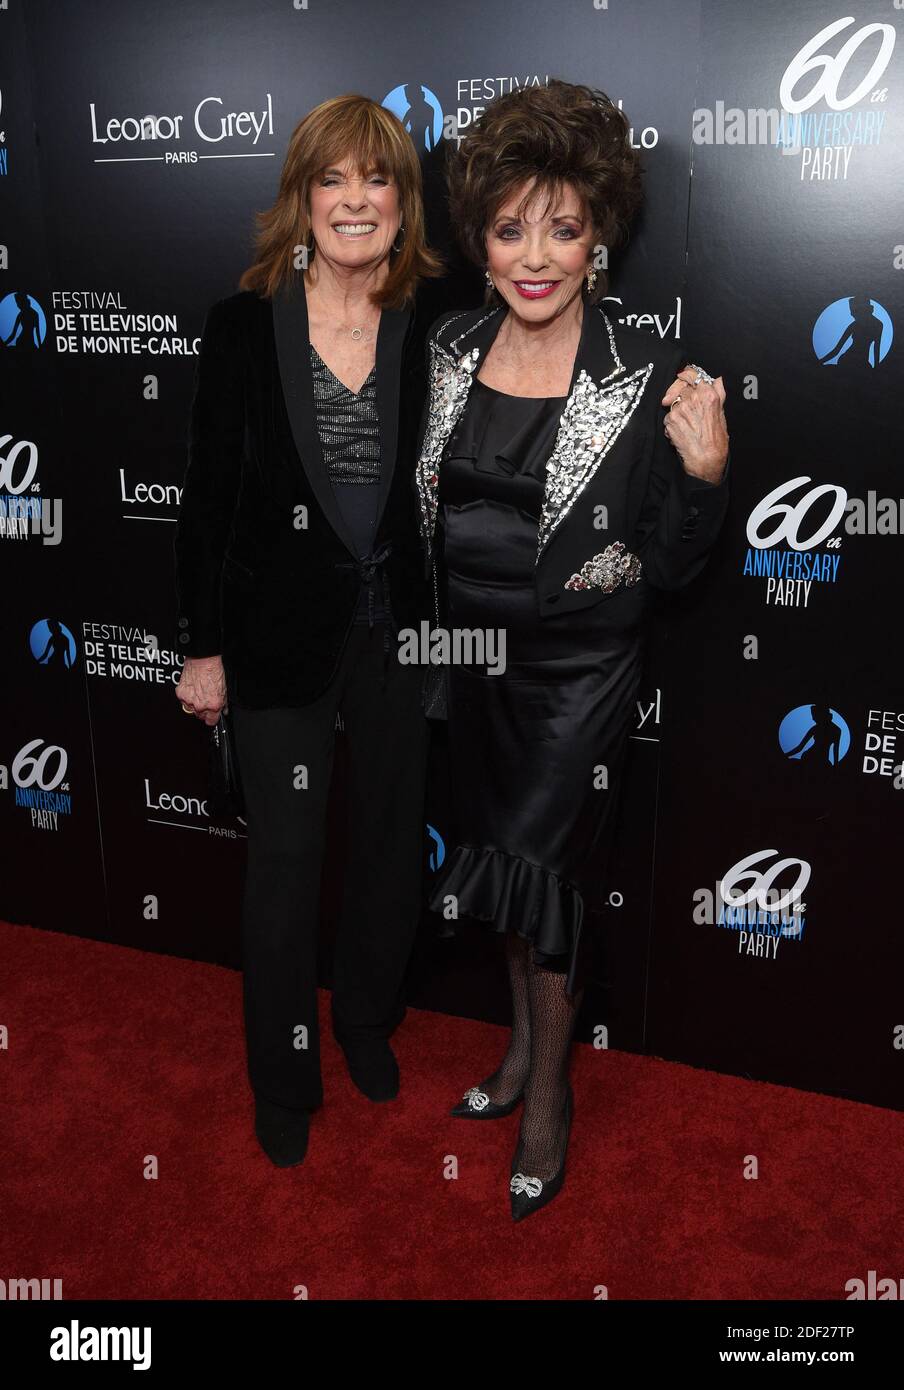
{"x": 285, "y": 758}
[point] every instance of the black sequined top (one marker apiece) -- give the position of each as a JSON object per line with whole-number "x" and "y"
{"x": 349, "y": 428}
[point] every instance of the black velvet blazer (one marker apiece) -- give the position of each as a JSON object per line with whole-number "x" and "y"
{"x": 620, "y": 515}
{"x": 266, "y": 575}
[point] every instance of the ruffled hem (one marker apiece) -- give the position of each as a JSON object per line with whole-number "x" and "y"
{"x": 516, "y": 896}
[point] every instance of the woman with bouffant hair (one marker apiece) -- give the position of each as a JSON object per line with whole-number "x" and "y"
{"x": 555, "y": 499}
{"x": 297, "y": 560}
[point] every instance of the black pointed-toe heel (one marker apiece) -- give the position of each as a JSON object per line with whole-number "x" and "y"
{"x": 528, "y": 1194}
{"x": 475, "y": 1104}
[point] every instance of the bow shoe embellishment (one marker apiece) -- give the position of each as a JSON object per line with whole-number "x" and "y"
{"x": 522, "y": 1183}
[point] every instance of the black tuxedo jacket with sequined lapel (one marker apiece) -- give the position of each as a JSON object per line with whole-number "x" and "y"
{"x": 620, "y": 513}
{"x": 266, "y": 574}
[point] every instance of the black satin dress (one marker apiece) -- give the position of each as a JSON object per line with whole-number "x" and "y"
{"x": 536, "y": 753}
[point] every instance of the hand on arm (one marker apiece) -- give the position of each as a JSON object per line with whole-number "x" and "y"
{"x": 687, "y": 484}
{"x": 695, "y": 424}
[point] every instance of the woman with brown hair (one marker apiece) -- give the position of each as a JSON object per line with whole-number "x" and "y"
{"x": 556, "y": 500}
{"x": 297, "y": 560}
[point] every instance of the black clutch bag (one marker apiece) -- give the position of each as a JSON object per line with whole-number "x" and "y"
{"x": 435, "y": 693}
{"x": 435, "y": 690}
{"x": 225, "y": 797}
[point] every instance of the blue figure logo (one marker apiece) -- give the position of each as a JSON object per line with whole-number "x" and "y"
{"x": 52, "y": 644}
{"x": 22, "y": 322}
{"x": 817, "y": 732}
{"x": 854, "y": 332}
{"x": 438, "y": 854}
{"x": 421, "y": 114}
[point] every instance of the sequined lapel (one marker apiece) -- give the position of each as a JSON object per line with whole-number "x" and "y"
{"x": 450, "y": 374}
{"x": 593, "y": 418}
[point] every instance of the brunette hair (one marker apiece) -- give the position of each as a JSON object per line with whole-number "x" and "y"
{"x": 373, "y": 138}
{"x": 549, "y": 136}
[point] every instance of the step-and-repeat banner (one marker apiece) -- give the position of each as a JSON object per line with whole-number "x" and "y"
{"x": 753, "y": 921}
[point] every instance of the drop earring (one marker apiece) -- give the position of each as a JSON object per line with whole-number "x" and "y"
{"x": 591, "y": 278}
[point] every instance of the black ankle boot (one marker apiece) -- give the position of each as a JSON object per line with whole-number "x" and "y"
{"x": 373, "y": 1068}
{"x": 281, "y": 1133}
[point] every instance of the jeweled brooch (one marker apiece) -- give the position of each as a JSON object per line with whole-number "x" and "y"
{"x": 613, "y": 566}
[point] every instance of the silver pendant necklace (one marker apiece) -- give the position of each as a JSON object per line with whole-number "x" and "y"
{"x": 357, "y": 333}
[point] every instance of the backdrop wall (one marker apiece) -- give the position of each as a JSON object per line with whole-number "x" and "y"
{"x": 770, "y": 733}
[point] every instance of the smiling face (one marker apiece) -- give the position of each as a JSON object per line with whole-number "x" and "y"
{"x": 354, "y": 215}
{"x": 538, "y": 259}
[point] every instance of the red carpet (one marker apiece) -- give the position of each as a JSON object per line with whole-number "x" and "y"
{"x": 115, "y": 1054}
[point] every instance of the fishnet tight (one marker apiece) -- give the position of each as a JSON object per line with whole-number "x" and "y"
{"x": 543, "y": 1019}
